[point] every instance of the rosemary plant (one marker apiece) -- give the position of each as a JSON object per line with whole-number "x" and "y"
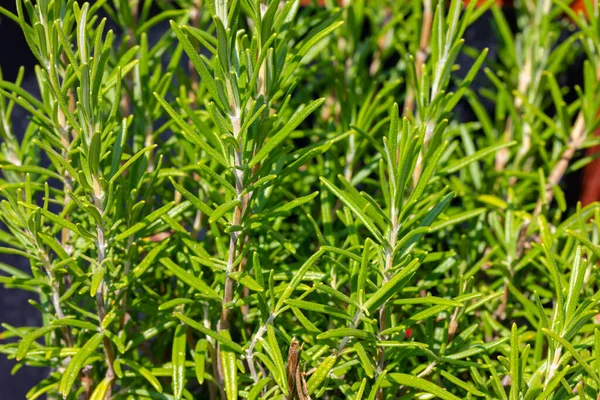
{"x": 256, "y": 199}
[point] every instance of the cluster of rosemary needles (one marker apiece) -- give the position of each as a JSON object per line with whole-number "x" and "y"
{"x": 259, "y": 199}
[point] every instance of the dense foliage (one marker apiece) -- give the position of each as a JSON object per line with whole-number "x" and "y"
{"x": 235, "y": 206}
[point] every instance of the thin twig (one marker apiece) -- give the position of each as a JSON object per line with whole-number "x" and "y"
{"x": 250, "y": 350}
{"x": 101, "y": 247}
{"x": 233, "y": 237}
{"x": 553, "y": 366}
{"x": 389, "y": 263}
{"x": 237, "y": 219}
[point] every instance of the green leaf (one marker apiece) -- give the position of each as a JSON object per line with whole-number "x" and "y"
{"x": 415, "y": 318}
{"x": 196, "y": 202}
{"x": 26, "y": 342}
{"x": 297, "y": 277}
{"x": 375, "y": 388}
{"x": 97, "y": 279}
{"x": 575, "y": 285}
{"x": 556, "y": 380}
{"x": 569, "y": 347}
{"x": 295, "y": 203}
{"x": 257, "y": 388}
{"x": 54, "y": 156}
{"x": 288, "y": 128}
{"x": 100, "y": 392}
{"x": 555, "y": 275}
{"x": 392, "y": 287}
{"x": 189, "y": 279}
{"x": 585, "y": 241}
{"x": 478, "y": 155}
{"x": 320, "y": 35}
{"x": 515, "y": 370}
{"x": 429, "y": 300}
{"x": 129, "y": 162}
{"x": 200, "y": 359}
{"x": 230, "y": 376}
{"x": 77, "y": 362}
{"x": 189, "y": 133}
{"x": 350, "y": 203}
{"x": 7, "y": 250}
{"x": 75, "y": 323}
{"x": 150, "y": 218}
{"x": 222, "y": 209}
{"x": 422, "y": 384}
{"x": 457, "y": 218}
{"x": 318, "y": 308}
{"x": 277, "y": 357}
{"x": 94, "y": 155}
{"x": 320, "y": 373}
{"x": 205, "y": 75}
{"x": 146, "y": 373}
{"x": 335, "y": 294}
{"x": 363, "y": 271}
{"x": 465, "y": 385}
{"x": 218, "y": 337}
{"x": 431, "y": 165}
{"x": 306, "y": 323}
{"x": 365, "y": 360}
{"x": 361, "y": 389}
{"x": 146, "y": 263}
{"x": 178, "y": 361}
{"x": 477, "y": 349}
{"x": 53, "y": 217}
{"x": 344, "y": 332}
{"x": 246, "y": 280}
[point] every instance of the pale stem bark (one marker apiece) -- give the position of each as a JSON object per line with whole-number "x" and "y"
{"x": 237, "y": 219}
{"x": 55, "y": 291}
{"x": 389, "y": 263}
{"x": 233, "y": 237}
{"x": 553, "y": 366}
{"x": 101, "y": 247}
{"x": 250, "y": 351}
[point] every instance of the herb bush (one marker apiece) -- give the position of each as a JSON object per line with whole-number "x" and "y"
{"x": 269, "y": 200}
